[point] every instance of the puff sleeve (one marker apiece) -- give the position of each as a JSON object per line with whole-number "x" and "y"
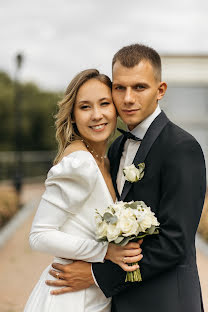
{"x": 68, "y": 185}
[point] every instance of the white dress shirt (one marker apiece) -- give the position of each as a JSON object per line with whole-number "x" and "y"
{"x": 131, "y": 147}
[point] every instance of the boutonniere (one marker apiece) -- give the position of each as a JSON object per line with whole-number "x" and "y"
{"x": 133, "y": 174}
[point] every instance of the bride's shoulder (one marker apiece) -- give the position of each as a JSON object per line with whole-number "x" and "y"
{"x": 75, "y": 146}
{"x": 76, "y": 150}
{"x": 72, "y": 179}
{"x": 76, "y": 160}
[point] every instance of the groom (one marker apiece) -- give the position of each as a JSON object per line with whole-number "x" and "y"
{"x": 173, "y": 186}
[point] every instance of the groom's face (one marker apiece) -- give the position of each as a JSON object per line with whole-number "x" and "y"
{"x": 136, "y": 92}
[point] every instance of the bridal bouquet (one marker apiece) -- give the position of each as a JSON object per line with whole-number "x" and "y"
{"x": 125, "y": 221}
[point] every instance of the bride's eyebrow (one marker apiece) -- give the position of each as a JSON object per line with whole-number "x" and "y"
{"x": 104, "y": 99}
{"x": 83, "y": 102}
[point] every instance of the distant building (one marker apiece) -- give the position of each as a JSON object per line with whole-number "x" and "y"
{"x": 186, "y": 101}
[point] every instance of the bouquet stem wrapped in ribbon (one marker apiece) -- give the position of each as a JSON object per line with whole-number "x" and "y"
{"x": 123, "y": 222}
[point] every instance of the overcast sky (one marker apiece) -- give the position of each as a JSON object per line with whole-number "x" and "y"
{"x": 61, "y": 37}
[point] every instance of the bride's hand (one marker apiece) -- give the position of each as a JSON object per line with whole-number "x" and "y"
{"x": 122, "y": 255}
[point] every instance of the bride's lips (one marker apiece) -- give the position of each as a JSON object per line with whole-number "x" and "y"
{"x": 130, "y": 111}
{"x": 98, "y": 128}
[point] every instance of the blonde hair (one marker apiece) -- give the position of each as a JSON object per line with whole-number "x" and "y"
{"x": 66, "y": 130}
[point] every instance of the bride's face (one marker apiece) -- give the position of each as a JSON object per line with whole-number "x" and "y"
{"x": 94, "y": 112}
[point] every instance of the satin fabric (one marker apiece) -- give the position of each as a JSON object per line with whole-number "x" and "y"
{"x": 64, "y": 226}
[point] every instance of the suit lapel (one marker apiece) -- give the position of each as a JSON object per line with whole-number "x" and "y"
{"x": 151, "y": 135}
{"x": 116, "y": 162}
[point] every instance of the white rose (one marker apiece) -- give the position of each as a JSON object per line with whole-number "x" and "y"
{"x": 118, "y": 208}
{"x": 127, "y": 212}
{"x": 146, "y": 218}
{"x": 154, "y": 221}
{"x": 101, "y": 230}
{"x": 140, "y": 214}
{"x": 130, "y": 173}
{"x": 133, "y": 174}
{"x": 113, "y": 231}
{"x": 146, "y": 223}
{"x": 128, "y": 223}
{"x": 152, "y": 216}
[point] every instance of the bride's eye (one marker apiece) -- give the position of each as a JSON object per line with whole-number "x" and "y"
{"x": 84, "y": 107}
{"x": 105, "y": 103}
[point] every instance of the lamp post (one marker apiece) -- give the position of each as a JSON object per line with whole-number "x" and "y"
{"x": 18, "y": 127}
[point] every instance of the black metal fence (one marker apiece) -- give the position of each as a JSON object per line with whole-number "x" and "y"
{"x": 35, "y": 164}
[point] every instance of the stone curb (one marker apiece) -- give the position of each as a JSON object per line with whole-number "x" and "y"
{"x": 17, "y": 221}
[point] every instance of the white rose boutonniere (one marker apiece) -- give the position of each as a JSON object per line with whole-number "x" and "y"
{"x": 133, "y": 174}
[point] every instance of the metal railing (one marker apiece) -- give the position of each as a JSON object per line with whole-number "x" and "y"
{"x": 35, "y": 164}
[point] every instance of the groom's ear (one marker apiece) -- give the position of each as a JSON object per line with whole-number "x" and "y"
{"x": 161, "y": 90}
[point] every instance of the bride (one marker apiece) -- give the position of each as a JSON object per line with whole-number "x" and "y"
{"x": 77, "y": 184}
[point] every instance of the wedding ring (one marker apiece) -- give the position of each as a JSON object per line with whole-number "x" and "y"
{"x": 57, "y": 274}
{"x": 124, "y": 260}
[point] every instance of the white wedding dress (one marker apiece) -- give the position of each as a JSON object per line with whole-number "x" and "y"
{"x": 64, "y": 226}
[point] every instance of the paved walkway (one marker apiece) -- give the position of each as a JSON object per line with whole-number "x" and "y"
{"x": 21, "y": 267}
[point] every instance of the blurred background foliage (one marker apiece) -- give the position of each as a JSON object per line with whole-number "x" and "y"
{"x": 38, "y": 108}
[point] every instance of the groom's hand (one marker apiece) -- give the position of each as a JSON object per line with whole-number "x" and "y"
{"x": 72, "y": 277}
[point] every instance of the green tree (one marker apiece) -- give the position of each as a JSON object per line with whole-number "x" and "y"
{"x": 37, "y": 109}
{"x": 6, "y": 111}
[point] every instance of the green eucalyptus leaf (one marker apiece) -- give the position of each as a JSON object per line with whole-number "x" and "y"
{"x": 126, "y": 240}
{"x": 141, "y": 236}
{"x": 110, "y": 218}
{"x": 156, "y": 231}
{"x": 119, "y": 240}
{"x": 137, "y": 202}
{"x": 141, "y": 175}
{"x": 141, "y": 166}
{"x": 107, "y": 216}
{"x": 141, "y": 204}
{"x": 151, "y": 230}
{"x": 113, "y": 219}
{"x": 132, "y": 205}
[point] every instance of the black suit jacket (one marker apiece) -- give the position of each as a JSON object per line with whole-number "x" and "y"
{"x": 174, "y": 186}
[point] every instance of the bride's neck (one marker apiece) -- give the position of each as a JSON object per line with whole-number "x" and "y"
{"x": 98, "y": 150}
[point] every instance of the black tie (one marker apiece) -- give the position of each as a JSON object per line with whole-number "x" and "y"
{"x": 129, "y": 135}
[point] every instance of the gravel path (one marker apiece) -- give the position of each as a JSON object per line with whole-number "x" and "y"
{"x": 21, "y": 267}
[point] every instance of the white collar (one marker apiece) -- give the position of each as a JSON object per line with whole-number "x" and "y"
{"x": 142, "y": 128}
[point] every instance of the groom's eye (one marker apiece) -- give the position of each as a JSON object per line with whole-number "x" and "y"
{"x": 119, "y": 88}
{"x": 139, "y": 87}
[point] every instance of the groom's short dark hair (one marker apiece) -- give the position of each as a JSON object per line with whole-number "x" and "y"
{"x": 132, "y": 55}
